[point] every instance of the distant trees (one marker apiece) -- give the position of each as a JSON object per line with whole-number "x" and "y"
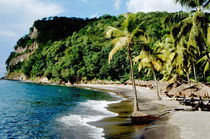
{"x": 56, "y": 28}
{"x": 23, "y": 41}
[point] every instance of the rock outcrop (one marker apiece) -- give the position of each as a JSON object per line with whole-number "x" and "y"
{"x": 34, "y": 33}
{"x": 20, "y": 50}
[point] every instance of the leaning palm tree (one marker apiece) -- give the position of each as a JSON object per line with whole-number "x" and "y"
{"x": 149, "y": 59}
{"x": 125, "y": 37}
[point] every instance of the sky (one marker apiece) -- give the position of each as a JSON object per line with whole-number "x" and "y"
{"x": 17, "y": 16}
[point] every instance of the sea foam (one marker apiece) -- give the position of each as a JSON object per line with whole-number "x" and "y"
{"x": 90, "y": 111}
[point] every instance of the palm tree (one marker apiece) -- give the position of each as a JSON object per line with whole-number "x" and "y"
{"x": 149, "y": 60}
{"x": 175, "y": 60}
{"x": 125, "y": 37}
{"x": 195, "y": 4}
{"x": 191, "y": 33}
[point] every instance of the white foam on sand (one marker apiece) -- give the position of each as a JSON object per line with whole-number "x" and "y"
{"x": 92, "y": 110}
{"x": 116, "y": 95}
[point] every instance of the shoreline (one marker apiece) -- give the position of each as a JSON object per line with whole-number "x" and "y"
{"x": 173, "y": 124}
{"x": 178, "y": 121}
{"x": 148, "y": 104}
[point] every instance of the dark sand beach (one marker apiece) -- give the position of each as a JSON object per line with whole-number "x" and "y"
{"x": 173, "y": 124}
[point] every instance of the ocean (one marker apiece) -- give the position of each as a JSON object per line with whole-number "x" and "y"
{"x": 29, "y": 110}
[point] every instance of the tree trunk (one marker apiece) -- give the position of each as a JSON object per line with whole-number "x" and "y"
{"x": 194, "y": 72}
{"x": 188, "y": 77}
{"x": 136, "y": 106}
{"x": 156, "y": 83}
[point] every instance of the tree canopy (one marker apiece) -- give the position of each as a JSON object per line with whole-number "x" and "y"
{"x": 74, "y": 49}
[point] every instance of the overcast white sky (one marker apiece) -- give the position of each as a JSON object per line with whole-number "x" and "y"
{"x": 17, "y": 16}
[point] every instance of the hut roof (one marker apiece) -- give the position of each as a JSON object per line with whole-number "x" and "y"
{"x": 193, "y": 90}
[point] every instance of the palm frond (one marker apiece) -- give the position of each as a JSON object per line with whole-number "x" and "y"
{"x": 118, "y": 43}
{"x": 206, "y": 4}
{"x": 198, "y": 32}
{"x": 172, "y": 19}
{"x": 194, "y": 3}
{"x": 204, "y": 63}
{"x": 129, "y": 23}
{"x": 206, "y": 68}
{"x": 113, "y": 32}
{"x": 181, "y": 29}
{"x": 138, "y": 30}
{"x": 188, "y": 3}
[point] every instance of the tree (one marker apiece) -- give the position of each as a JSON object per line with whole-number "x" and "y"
{"x": 125, "y": 37}
{"x": 198, "y": 25}
{"x": 195, "y": 4}
{"x": 149, "y": 60}
{"x": 171, "y": 69}
{"x": 190, "y": 34}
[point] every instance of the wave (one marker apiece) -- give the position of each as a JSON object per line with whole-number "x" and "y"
{"x": 86, "y": 112}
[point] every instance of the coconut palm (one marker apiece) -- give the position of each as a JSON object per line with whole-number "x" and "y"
{"x": 199, "y": 24}
{"x": 176, "y": 63}
{"x": 191, "y": 32}
{"x": 149, "y": 60}
{"x": 125, "y": 37}
{"x": 198, "y": 5}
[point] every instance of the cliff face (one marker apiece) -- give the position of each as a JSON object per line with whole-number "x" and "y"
{"x": 34, "y": 33}
{"x": 24, "y": 55}
{"x": 21, "y": 54}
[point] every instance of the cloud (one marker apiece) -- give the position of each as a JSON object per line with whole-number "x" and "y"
{"x": 29, "y": 8}
{"x": 8, "y": 33}
{"x": 17, "y": 16}
{"x": 153, "y": 5}
{"x": 117, "y": 4}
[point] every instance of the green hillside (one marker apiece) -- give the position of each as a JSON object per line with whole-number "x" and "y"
{"x": 73, "y": 49}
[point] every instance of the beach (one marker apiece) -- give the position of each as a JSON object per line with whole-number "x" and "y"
{"x": 177, "y": 121}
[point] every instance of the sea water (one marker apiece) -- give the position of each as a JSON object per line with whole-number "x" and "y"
{"x": 30, "y": 110}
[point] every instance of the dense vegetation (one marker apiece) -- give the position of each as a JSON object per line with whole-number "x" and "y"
{"x": 74, "y": 49}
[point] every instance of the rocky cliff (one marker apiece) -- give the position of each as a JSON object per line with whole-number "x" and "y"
{"x": 24, "y": 53}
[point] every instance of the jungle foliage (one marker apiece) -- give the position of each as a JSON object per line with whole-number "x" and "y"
{"x": 74, "y": 49}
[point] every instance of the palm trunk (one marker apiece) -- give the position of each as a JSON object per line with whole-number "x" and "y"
{"x": 136, "y": 106}
{"x": 188, "y": 76}
{"x": 156, "y": 83}
{"x": 194, "y": 72}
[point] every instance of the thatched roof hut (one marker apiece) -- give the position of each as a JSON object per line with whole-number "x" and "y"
{"x": 192, "y": 90}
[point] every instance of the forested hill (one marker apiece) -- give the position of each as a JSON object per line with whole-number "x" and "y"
{"x": 73, "y": 49}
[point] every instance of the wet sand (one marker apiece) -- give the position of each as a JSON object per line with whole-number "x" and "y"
{"x": 121, "y": 126}
{"x": 177, "y": 121}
